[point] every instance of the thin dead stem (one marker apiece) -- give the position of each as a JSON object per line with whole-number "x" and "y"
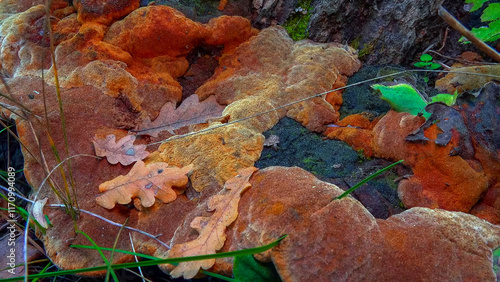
{"x": 136, "y": 259}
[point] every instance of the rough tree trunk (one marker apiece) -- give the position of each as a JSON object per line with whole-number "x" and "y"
{"x": 385, "y": 31}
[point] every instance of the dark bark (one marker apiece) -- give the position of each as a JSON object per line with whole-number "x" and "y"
{"x": 385, "y": 31}
{"x": 388, "y": 31}
{"x": 267, "y": 12}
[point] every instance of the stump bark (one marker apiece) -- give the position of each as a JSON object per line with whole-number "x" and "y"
{"x": 383, "y": 31}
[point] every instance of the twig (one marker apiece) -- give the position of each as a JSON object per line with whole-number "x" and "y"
{"x": 33, "y": 243}
{"x": 115, "y": 223}
{"x": 454, "y": 23}
{"x": 444, "y": 39}
{"x": 135, "y": 257}
{"x": 18, "y": 195}
{"x": 135, "y": 273}
{"x": 445, "y": 66}
{"x": 428, "y": 48}
{"x": 93, "y": 214}
{"x": 461, "y": 60}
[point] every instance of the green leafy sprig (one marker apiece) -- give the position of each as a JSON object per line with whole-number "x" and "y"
{"x": 404, "y": 98}
{"x": 491, "y": 15}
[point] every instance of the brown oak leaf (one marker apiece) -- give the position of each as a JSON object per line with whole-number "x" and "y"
{"x": 212, "y": 229}
{"x": 124, "y": 151}
{"x": 144, "y": 182}
{"x": 189, "y": 112}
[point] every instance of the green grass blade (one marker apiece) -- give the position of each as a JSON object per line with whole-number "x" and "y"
{"x": 147, "y": 257}
{"x": 359, "y": 184}
{"x": 151, "y": 258}
{"x": 221, "y": 277}
{"x": 5, "y": 128}
{"x": 43, "y": 270}
{"x": 24, "y": 214}
{"x": 116, "y": 250}
{"x": 108, "y": 265}
{"x": 113, "y": 252}
{"x": 4, "y": 174}
{"x": 155, "y": 262}
{"x": 29, "y": 263}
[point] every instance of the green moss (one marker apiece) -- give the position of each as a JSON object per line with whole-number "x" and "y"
{"x": 299, "y": 147}
{"x": 312, "y": 164}
{"x": 366, "y": 50}
{"x": 310, "y": 160}
{"x": 317, "y": 138}
{"x": 297, "y": 22}
{"x": 361, "y": 155}
{"x": 356, "y": 42}
{"x": 391, "y": 181}
{"x": 303, "y": 130}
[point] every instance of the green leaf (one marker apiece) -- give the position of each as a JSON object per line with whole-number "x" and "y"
{"x": 448, "y": 99}
{"x": 495, "y": 29}
{"x": 491, "y": 13}
{"x": 246, "y": 268}
{"x": 464, "y": 40}
{"x": 487, "y": 34}
{"x": 496, "y": 261}
{"x": 477, "y": 4}
{"x": 421, "y": 64}
{"x": 403, "y": 98}
{"x": 434, "y": 66}
{"x": 426, "y": 58}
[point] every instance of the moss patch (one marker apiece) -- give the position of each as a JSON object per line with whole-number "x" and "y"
{"x": 299, "y": 147}
{"x": 297, "y": 23}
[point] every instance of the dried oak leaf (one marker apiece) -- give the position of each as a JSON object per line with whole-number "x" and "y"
{"x": 144, "y": 182}
{"x": 212, "y": 229}
{"x": 124, "y": 151}
{"x": 191, "y": 111}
